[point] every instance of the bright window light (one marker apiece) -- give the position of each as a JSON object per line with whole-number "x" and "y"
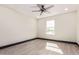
{"x": 50, "y": 27}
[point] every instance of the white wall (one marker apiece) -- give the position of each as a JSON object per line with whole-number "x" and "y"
{"x": 65, "y": 27}
{"x": 78, "y": 26}
{"x": 15, "y": 27}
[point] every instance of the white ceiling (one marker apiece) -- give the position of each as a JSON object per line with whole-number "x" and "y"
{"x": 57, "y": 9}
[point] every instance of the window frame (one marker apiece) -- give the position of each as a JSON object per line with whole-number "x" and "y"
{"x": 52, "y": 32}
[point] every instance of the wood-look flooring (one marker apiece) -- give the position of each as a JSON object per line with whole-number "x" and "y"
{"x": 41, "y": 47}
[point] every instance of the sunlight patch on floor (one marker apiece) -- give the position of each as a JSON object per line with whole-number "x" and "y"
{"x": 53, "y": 47}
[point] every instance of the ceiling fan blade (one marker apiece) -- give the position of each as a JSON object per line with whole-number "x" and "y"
{"x": 39, "y": 5}
{"x": 50, "y": 7}
{"x": 36, "y": 11}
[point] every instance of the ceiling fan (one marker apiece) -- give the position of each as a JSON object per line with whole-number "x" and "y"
{"x": 42, "y": 8}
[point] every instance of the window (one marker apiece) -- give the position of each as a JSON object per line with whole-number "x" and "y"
{"x": 50, "y": 27}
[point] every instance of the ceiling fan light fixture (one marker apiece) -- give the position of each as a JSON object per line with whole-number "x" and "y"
{"x": 66, "y": 9}
{"x": 42, "y": 8}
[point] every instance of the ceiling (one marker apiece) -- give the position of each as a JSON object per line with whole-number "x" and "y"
{"x": 27, "y": 9}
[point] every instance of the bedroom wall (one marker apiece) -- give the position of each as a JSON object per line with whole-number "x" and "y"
{"x": 15, "y": 27}
{"x": 77, "y": 27}
{"x": 65, "y": 27}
